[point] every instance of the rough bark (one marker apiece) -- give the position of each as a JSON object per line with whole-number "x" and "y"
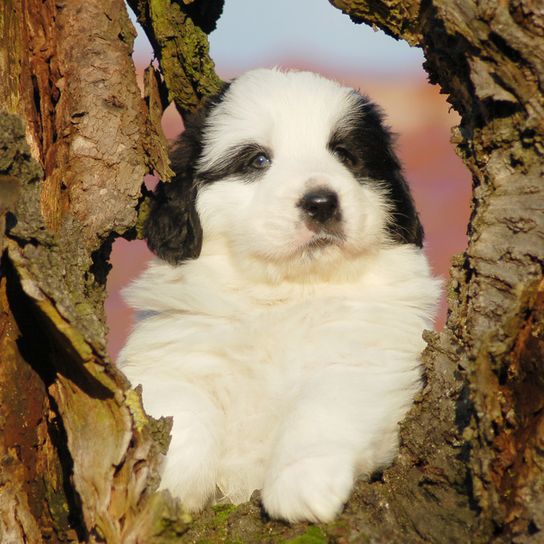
{"x": 178, "y": 33}
{"x": 489, "y": 59}
{"x": 79, "y": 456}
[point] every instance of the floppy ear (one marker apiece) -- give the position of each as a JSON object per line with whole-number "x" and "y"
{"x": 406, "y": 226}
{"x": 381, "y": 163}
{"x": 172, "y": 228}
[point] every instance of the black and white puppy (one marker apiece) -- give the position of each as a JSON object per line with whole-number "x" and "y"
{"x": 283, "y": 318}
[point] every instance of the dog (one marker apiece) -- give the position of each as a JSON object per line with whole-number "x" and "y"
{"x": 281, "y": 325}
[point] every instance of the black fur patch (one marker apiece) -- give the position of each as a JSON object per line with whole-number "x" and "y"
{"x": 365, "y": 146}
{"x": 236, "y": 161}
{"x": 172, "y": 229}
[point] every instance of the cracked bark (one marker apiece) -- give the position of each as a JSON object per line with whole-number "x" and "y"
{"x": 79, "y": 456}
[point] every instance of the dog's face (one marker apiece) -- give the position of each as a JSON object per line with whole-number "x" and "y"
{"x": 285, "y": 171}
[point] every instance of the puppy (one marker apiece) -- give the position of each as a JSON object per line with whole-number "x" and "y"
{"x": 281, "y": 325}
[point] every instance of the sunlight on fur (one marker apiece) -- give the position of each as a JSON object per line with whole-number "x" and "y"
{"x": 281, "y": 322}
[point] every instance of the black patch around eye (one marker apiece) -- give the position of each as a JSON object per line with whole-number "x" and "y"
{"x": 364, "y": 136}
{"x": 344, "y": 155}
{"x": 237, "y": 161}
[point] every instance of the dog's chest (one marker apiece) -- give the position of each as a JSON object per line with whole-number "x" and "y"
{"x": 265, "y": 357}
{"x": 285, "y": 338}
{"x": 254, "y": 350}
{"x": 262, "y": 353}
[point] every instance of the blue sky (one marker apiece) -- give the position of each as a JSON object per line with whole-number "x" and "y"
{"x": 253, "y": 33}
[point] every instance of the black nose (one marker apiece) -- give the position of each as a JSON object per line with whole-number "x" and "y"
{"x": 321, "y": 204}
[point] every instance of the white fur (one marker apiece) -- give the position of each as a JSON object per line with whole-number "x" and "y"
{"x": 286, "y": 368}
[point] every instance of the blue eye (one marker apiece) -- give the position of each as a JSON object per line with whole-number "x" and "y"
{"x": 260, "y": 161}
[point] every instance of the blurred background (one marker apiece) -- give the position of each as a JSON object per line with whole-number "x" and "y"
{"x": 312, "y": 35}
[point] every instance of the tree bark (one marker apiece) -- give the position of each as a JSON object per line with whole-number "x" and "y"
{"x": 79, "y": 457}
{"x": 489, "y": 59}
{"x": 78, "y": 454}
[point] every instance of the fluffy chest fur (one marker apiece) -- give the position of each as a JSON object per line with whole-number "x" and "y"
{"x": 258, "y": 349}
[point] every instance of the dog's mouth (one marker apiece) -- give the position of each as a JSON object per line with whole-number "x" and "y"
{"x": 312, "y": 238}
{"x": 324, "y": 239}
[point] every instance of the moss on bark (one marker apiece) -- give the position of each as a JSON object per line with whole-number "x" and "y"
{"x": 177, "y": 32}
{"x": 470, "y": 467}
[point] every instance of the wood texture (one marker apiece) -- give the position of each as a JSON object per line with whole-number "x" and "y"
{"x": 80, "y": 457}
{"x": 488, "y": 57}
{"x": 178, "y": 34}
{"x": 84, "y": 460}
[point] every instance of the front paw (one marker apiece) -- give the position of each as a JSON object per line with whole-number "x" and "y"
{"x": 311, "y": 489}
{"x": 189, "y": 471}
{"x": 193, "y": 483}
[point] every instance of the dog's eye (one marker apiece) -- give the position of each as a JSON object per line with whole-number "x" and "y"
{"x": 260, "y": 161}
{"x": 344, "y": 155}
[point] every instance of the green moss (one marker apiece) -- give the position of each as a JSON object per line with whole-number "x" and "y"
{"x": 313, "y": 535}
{"x": 56, "y": 501}
{"x": 223, "y": 511}
{"x": 143, "y": 213}
{"x": 170, "y": 529}
{"x": 183, "y": 51}
{"x": 169, "y": 521}
{"x": 134, "y": 403}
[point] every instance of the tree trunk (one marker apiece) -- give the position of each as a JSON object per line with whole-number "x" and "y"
{"x": 79, "y": 457}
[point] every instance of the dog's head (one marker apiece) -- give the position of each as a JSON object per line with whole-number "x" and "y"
{"x": 285, "y": 170}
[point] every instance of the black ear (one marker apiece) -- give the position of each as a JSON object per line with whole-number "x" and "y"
{"x": 172, "y": 228}
{"x": 380, "y": 162}
{"x": 405, "y": 226}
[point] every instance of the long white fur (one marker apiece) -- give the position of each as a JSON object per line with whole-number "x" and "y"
{"x": 286, "y": 368}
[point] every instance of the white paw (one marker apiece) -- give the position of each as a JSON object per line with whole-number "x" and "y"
{"x": 193, "y": 484}
{"x": 190, "y": 469}
{"x": 312, "y": 489}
